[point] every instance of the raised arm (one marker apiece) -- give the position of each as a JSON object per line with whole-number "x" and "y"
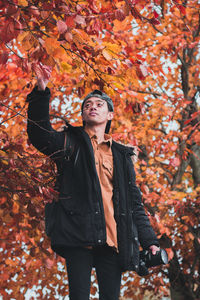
{"x": 40, "y": 132}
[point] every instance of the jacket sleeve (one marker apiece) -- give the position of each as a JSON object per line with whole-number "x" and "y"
{"x": 39, "y": 129}
{"x": 146, "y": 234}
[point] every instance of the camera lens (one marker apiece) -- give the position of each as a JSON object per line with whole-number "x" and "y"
{"x": 164, "y": 256}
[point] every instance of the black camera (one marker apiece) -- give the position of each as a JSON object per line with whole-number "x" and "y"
{"x": 148, "y": 260}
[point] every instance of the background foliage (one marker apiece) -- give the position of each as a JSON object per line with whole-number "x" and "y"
{"x": 145, "y": 55}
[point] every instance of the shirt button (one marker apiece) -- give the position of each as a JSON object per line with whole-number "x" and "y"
{"x": 99, "y": 241}
{"x": 96, "y": 212}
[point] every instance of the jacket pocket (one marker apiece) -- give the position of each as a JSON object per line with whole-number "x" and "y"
{"x": 76, "y": 227}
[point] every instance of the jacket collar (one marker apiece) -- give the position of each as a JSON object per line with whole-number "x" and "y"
{"x": 123, "y": 148}
{"x": 79, "y": 130}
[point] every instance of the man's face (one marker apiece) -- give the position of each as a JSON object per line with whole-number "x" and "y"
{"x": 95, "y": 112}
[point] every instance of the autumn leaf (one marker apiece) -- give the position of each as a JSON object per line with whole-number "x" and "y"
{"x": 80, "y": 20}
{"x": 62, "y": 26}
{"x": 154, "y": 21}
{"x": 175, "y": 162}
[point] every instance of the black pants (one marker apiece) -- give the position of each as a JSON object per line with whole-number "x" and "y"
{"x": 79, "y": 263}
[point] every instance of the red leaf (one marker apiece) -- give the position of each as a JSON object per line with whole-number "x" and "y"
{"x": 141, "y": 71}
{"x": 193, "y": 117}
{"x": 135, "y": 13}
{"x": 62, "y": 26}
{"x": 34, "y": 11}
{"x": 49, "y": 263}
{"x": 144, "y": 189}
{"x": 65, "y": 9}
{"x": 7, "y": 31}
{"x": 3, "y": 58}
{"x": 154, "y": 21}
{"x": 175, "y": 162}
{"x": 120, "y": 15}
{"x": 80, "y": 20}
{"x": 69, "y": 21}
{"x": 138, "y": 108}
{"x": 156, "y": 15}
{"x": 128, "y": 108}
{"x": 182, "y": 9}
{"x": 10, "y": 30}
{"x": 11, "y": 9}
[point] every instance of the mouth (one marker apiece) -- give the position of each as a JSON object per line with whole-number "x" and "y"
{"x": 92, "y": 114}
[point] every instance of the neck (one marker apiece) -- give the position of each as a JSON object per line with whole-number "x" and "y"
{"x": 99, "y": 131}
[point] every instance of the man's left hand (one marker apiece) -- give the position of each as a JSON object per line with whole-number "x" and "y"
{"x": 154, "y": 249}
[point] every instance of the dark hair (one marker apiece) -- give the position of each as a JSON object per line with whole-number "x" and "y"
{"x": 101, "y": 95}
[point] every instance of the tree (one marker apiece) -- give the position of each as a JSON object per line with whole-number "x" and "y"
{"x": 145, "y": 55}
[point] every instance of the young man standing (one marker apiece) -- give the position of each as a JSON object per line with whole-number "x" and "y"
{"x": 99, "y": 220}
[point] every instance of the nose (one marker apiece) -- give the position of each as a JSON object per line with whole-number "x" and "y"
{"x": 93, "y": 106}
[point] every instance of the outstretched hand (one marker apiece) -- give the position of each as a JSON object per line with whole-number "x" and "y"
{"x": 154, "y": 249}
{"x": 43, "y": 74}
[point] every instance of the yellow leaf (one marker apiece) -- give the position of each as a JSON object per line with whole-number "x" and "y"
{"x": 23, "y": 2}
{"x": 16, "y": 197}
{"x": 113, "y": 47}
{"x": 109, "y": 91}
{"x": 118, "y": 85}
{"x": 107, "y": 54}
{"x": 66, "y": 67}
{"x": 3, "y": 153}
{"x": 181, "y": 195}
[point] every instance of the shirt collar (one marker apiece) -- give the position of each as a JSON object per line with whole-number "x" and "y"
{"x": 92, "y": 135}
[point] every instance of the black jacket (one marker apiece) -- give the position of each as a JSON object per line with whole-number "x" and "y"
{"x": 77, "y": 219}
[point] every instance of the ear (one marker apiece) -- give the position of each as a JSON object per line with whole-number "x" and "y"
{"x": 82, "y": 116}
{"x": 110, "y": 115}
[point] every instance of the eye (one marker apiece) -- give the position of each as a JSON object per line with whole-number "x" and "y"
{"x": 87, "y": 105}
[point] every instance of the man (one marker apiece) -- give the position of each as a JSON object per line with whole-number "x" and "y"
{"x": 99, "y": 219}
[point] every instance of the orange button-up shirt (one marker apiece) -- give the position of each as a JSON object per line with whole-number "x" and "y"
{"x": 104, "y": 166}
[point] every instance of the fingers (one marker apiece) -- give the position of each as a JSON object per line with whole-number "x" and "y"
{"x": 154, "y": 249}
{"x": 43, "y": 74}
